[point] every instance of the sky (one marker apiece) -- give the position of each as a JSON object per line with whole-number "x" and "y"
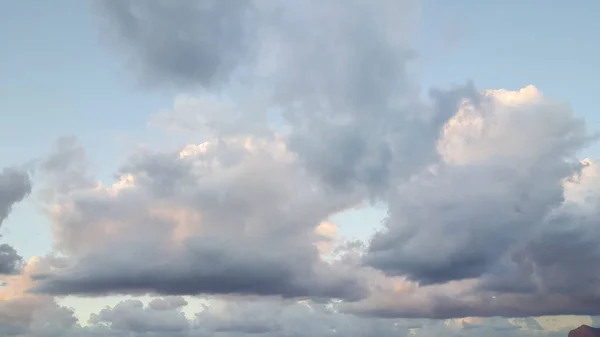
{"x": 322, "y": 168}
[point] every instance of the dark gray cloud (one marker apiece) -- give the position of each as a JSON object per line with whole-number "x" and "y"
{"x": 25, "y": 315}
{"x": 445, "y": 235}
{"x": 206, "y": 266}
{"x": 10, "y": 260}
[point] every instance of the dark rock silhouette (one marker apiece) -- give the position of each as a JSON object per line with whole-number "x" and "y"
{"x": 585, "y": 331}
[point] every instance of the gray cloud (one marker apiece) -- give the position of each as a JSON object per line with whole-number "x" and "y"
{"x": 10, "y": 260}
{"x": 335, "y": 73}
{"x": 15, "y": 185}
{"x": 182, "y": 43}
{"x": 65, "y": 169}
{"x": 274, "y": 318}
{"x": 167, "y": 303}
{"x": 131, "y": 316}
{"x": 458, "y": 221}
{"x": 503, "y": 226}
{"x": 478, "y": 199}
{"x": 207, "y": 266}
{"x": 256, "y": 217}
{"x": 246, "y": 316}
{"x": 376, "y": 148}
{"x": 446, "y": 236}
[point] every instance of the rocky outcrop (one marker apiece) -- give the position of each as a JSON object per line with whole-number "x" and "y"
{"x": 585, "y": 331}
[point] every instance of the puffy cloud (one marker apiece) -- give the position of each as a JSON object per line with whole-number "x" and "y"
{"x": 231, "y": 216}
{"x": 249, "y": 200}
{"x": 509, "y": 181}
{"x": 502, "y": 225}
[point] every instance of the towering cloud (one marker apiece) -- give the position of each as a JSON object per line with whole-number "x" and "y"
{"x": 501, "y": 176}
{"x": 503, "y": 225}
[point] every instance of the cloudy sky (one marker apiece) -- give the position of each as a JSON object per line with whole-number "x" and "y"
{"x": 298, "y": 168}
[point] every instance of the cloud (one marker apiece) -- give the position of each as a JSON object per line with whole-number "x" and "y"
{"x": 275, "y": 318}
{"x": 208, "y": 266}
{"x": 15, "y": 185}
{"x": 490, "y": 212}
{"x": 335, "y": 73}
{"x": 23, "y": 314}
{"x": 161, "y": 229}
{"x": 252, "y": 201}
{"x": 131, "y": 316}
{"x": 346, "y": 92}
{"x": 28, "y": 316}
{"x": 499, "y": 227}
{"x": 182, "y": 43}
{"x": 10, "y": 260}
{"x": 509, "y": 180}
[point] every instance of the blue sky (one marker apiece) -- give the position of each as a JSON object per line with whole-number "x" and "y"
{"x": 59, "y": 76}
{"x": 60, "y": 79}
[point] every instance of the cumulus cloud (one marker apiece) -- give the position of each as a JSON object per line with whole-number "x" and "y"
{"x": 233, "y": 216}
{"x": 499, "y": 227}
{"x": 502, "y": 172}
{"x": 490, "y": 212}
{"x": 476, "y": 233}
{"x": 251, "y": 201}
